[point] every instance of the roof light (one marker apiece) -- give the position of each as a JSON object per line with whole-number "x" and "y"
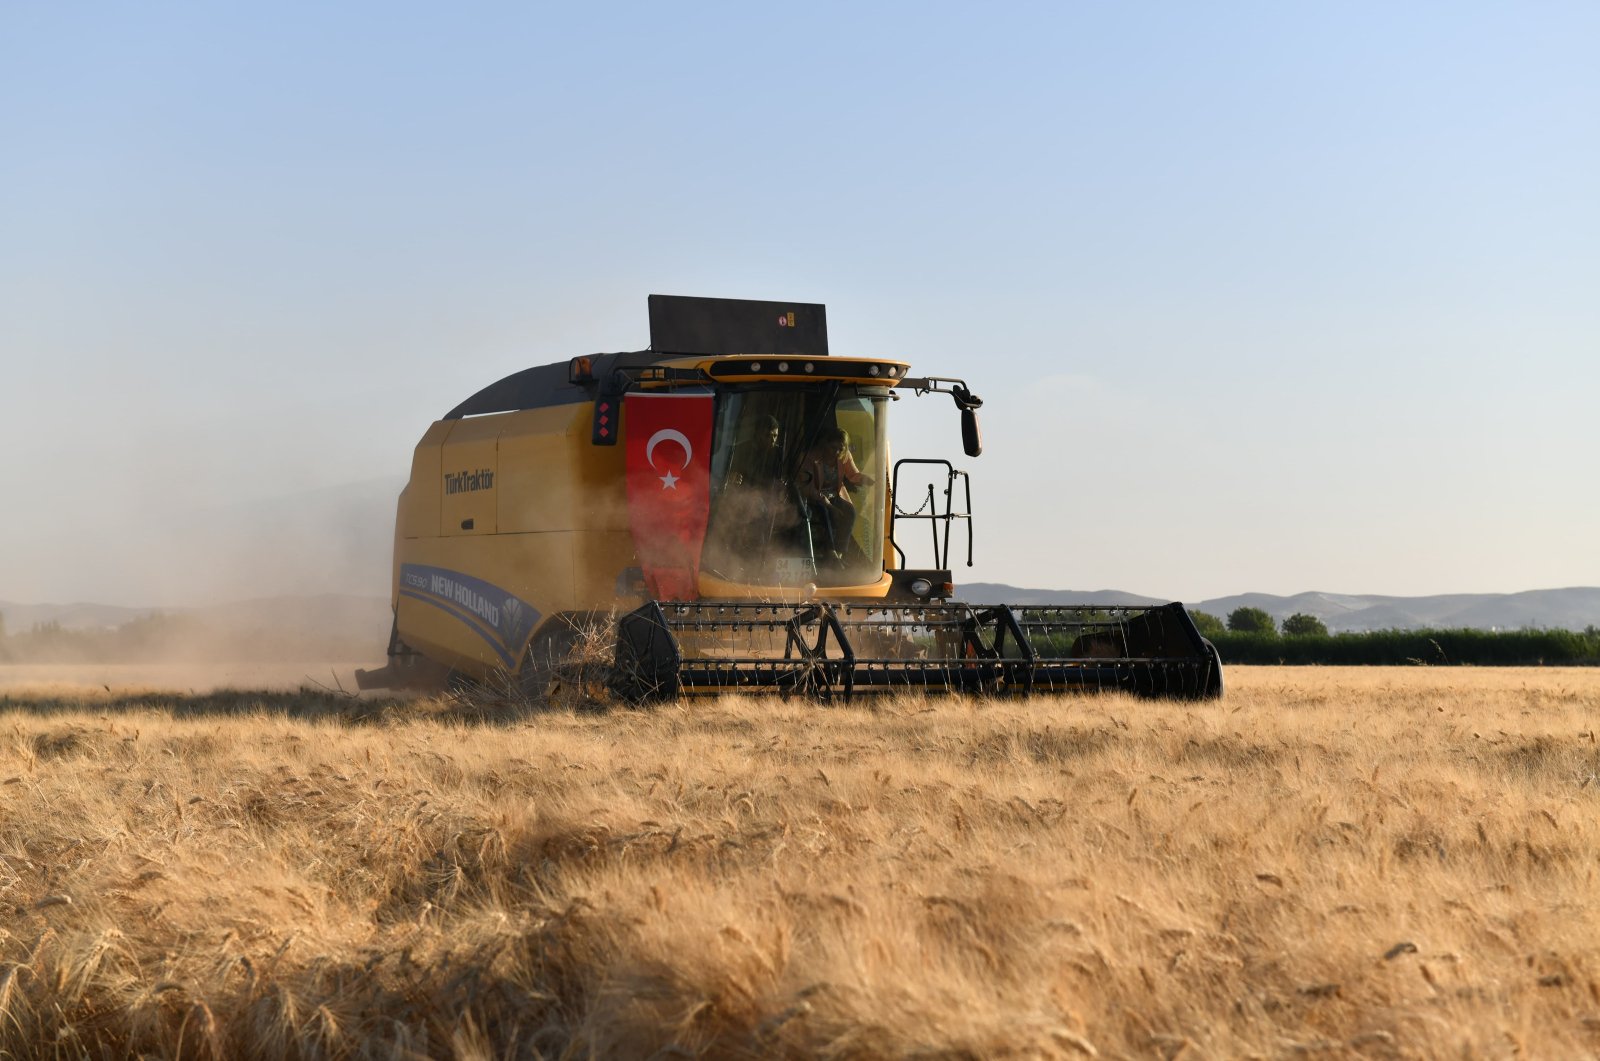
{"x": 783, "y": 366}
{"x": 755, "y": 366}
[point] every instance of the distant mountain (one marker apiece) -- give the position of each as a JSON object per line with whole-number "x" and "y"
{"x": 321, "y": 612}
{"x": 1000, "y": 593}
{"x": 78, "y": 616}
{"x": 1569, "y": 609}
{"x": 361, "y": 621}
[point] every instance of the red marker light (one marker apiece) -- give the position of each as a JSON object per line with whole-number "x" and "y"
{"x": 601, "y": 432}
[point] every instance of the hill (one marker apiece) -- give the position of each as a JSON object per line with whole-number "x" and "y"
{"x": 1573, "y": 608}
{"x": 284, "y": 627}
{"x": 324, "y": 626}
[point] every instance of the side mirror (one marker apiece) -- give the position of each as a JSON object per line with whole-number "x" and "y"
{"x": 971, "y": 440}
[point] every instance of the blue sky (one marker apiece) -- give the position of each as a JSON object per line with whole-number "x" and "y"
{"x": 1264, "y": 297}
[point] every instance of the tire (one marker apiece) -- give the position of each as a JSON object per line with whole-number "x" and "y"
{"x": 555, "y": 670}
{"x": 1214, "y": 683}
{"x": 539, "y": 677}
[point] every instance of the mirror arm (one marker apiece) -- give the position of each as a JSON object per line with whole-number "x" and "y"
{"x": 956, "y": 388}
{"x": 966, "y": 401}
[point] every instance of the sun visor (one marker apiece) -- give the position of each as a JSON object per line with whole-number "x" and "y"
{"x": 681, "y": 324}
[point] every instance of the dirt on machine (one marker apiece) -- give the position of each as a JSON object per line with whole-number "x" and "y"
{"x": 720, "y": 513}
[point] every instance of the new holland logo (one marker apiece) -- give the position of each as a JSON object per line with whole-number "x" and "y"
{"x": 501, "y": 618}
{"x": 465, "y": 482}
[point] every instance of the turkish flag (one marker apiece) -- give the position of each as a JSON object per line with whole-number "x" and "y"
{"x": 669, "y": 487}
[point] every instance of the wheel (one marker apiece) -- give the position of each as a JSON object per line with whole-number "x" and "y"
{"x": 567, "y": 661}
{"x": 1214, "y": 684}
{"x": 540, "y": 676}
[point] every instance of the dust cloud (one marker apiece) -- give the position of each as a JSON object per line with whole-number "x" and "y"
{"x": 92, "y": 681}
{"x": 240, "y": 592}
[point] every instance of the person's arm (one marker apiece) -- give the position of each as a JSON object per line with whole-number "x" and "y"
{"x": 808, "y": 478}
{"x": 852, "y": 474}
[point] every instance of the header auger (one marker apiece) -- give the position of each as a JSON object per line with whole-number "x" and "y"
{"x": 721, "y": 512}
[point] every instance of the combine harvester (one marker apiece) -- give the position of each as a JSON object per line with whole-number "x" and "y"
{"x": 722, "y": 509}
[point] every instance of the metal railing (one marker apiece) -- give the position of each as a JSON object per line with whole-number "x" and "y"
{"x": 929, "y": 510}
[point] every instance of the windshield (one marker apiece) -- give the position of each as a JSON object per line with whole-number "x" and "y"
{"x": 797, "y": 486}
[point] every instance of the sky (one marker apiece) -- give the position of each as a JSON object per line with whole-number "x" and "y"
{"x": 1260, "y": 296}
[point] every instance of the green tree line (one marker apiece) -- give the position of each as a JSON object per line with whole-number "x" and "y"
{"x": 1252, "y": 636}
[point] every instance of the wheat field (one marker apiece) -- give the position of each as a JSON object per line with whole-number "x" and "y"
{"x": 1328, "y": 863}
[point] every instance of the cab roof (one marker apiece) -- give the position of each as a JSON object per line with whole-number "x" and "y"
{"x": 681, "y": 327}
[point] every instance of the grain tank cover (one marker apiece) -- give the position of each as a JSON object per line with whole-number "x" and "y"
{"x": 714, "y": 327}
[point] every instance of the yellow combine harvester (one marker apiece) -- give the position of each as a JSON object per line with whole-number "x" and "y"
{"x": 723, "y": 508}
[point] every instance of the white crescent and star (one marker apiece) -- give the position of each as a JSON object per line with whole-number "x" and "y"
{"x": 668, "y": 434}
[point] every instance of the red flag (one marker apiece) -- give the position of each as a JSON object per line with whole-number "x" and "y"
{"x": 669, "y": 487}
